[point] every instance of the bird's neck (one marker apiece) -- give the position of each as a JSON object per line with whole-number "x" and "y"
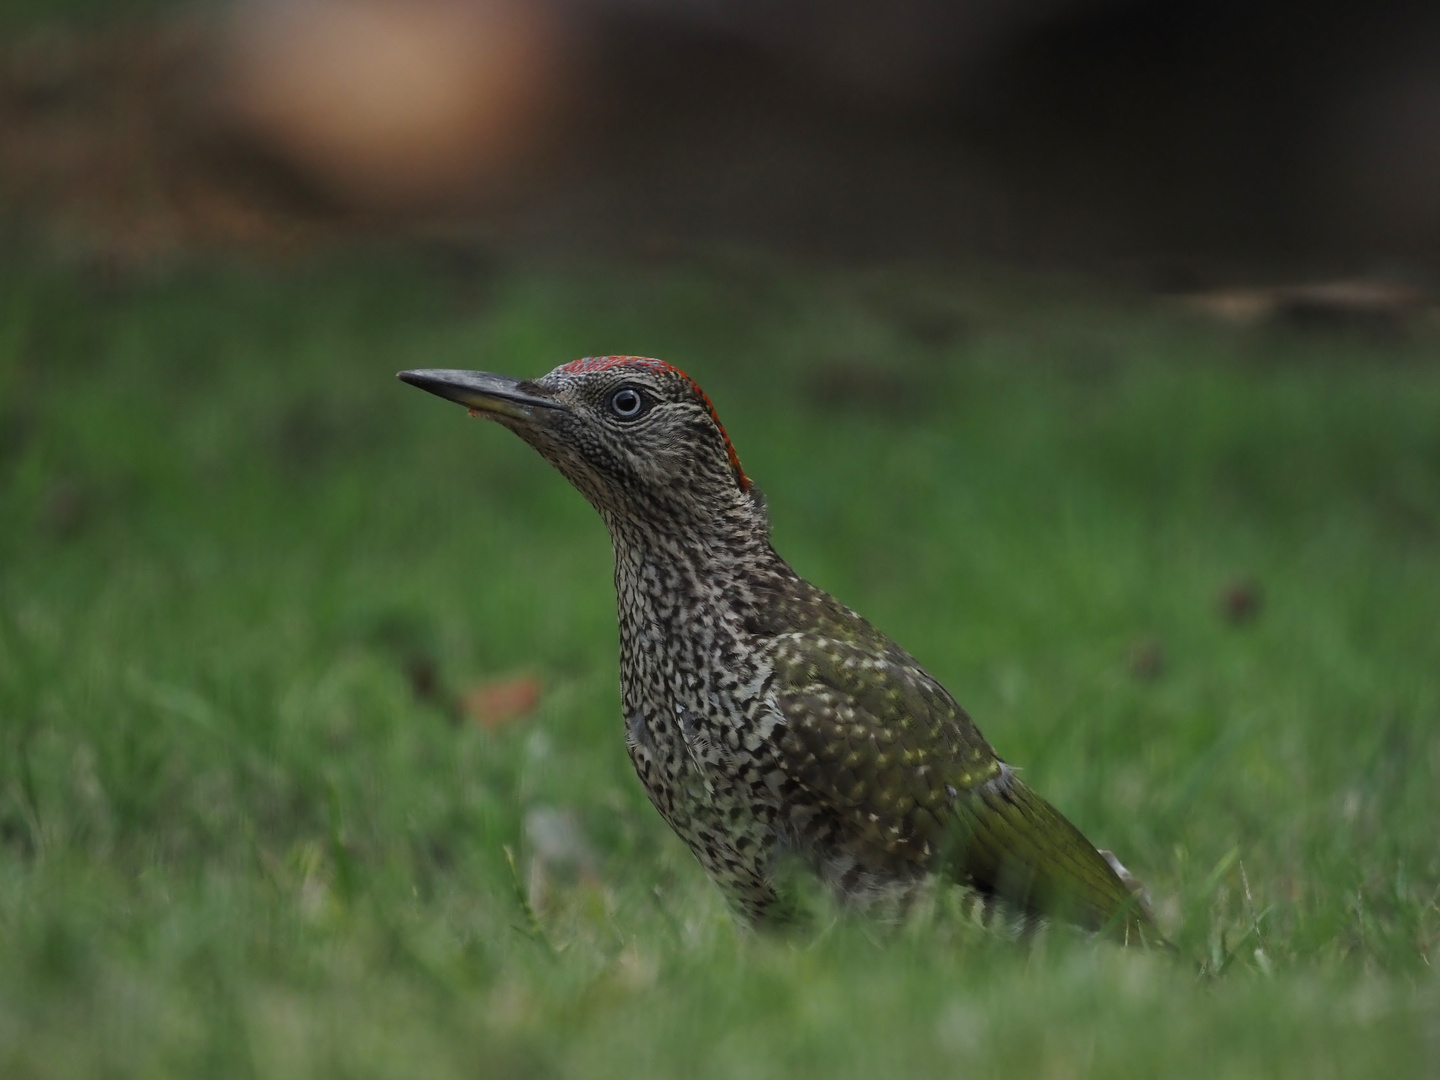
{"x": 671, "y": 571}
{"x": 686, "y": 596}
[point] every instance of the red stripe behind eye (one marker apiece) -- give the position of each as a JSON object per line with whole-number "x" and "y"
{"x": 589, "y": 365}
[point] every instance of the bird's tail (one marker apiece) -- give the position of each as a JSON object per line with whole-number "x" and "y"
{"x": 1024, "y": 851}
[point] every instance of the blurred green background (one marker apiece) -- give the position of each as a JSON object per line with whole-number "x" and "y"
{"x": 237, "y": 842}
{"x": 262, "y": 816}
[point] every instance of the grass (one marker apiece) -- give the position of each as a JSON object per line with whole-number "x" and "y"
{"x": 233, "y": 841}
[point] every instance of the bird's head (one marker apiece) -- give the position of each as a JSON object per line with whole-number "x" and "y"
{"x": 636, "y": 436}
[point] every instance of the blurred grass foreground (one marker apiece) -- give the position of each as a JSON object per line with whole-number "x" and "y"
{"x": 255, "y": 596}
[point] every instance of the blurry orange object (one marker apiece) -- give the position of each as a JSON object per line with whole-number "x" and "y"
{"x": 493, "y": 705}
{"x": 389, "y": 103}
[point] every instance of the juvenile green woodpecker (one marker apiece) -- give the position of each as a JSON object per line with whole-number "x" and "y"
{"x": 766, "y": 720}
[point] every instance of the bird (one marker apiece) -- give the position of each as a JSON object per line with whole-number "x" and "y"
{"x": 767, "y": 721}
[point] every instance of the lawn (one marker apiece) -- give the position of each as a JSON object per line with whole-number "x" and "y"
{"x": 1186, "y": 576}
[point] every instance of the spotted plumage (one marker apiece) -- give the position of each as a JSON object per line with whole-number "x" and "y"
{"x": 766, "y": 720}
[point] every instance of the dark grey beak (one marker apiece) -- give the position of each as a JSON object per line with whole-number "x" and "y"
{"x": 480, "y": 391}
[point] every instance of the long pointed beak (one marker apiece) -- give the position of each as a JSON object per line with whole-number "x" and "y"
{"x": 480, "y": 391}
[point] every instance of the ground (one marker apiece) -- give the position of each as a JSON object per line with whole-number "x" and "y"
{"x": 1185, "y": 576}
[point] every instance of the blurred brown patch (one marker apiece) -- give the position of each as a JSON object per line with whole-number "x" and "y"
{"x": 410, "y": 638}
{"x": 390, "y": 105}
{"x": 1241, "y": 601}
{"x": 289, "y": 125}
{"x": 1146, "y": 659}
{"x": 1375, "y": 307}
{"x": 492, "y": 705}
{"x": 104, "y": 146}
{"x": 423, "y": 675}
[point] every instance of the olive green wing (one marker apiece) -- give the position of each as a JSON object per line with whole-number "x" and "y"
{"x": 874, "y": 738}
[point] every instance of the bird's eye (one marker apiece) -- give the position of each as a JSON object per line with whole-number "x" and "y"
{"x": 627, "y": 403}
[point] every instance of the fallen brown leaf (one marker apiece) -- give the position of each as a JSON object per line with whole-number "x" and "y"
{"x": 492, "y": 705}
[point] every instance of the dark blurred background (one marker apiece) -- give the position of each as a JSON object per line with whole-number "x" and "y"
{"x": 1188, "y": 144}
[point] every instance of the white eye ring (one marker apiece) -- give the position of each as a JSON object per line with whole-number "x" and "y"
{"x": 627, "y": 403}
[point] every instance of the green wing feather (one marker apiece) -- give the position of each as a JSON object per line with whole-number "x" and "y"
{"x": 872, "y": 736}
